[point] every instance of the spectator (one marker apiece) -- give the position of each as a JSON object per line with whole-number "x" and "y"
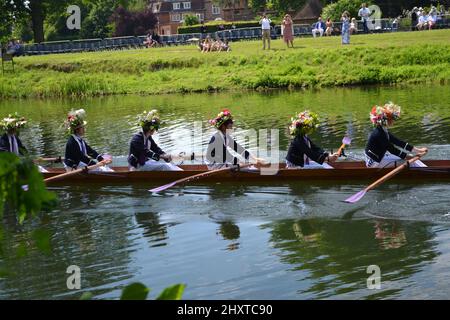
{"x": 423, "y": 21}
{"x": 395, "y": 24}
{"x": 203, "y": 30}
{"x": 364, "y": 13}
{"x": 345, "y": 28}
{"x": 207, "y": 44}
{"x": 432, "y": 18}
{"x": 414, "y": 18}
{"x": 319, "y": 27}
{"x": 329, "y": 25}
{"x": 265, "y": 26}
{"x": 353, "y": 26}
{"x": 149, "y": 42}
{"x": 287, "y": 30}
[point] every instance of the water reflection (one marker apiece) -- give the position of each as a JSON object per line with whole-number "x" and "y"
{"x": 330, "y": 257}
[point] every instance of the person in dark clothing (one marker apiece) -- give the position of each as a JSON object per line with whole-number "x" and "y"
{"x": 218, "y": 154}
{"x": 383, "y": 149}
{"x": 145, "y": 154}
{"x": 9, "y": 141}
{"x": 78, "y": 153}
{"x": 302, "y": 152}
{"x": 414, "y": 19}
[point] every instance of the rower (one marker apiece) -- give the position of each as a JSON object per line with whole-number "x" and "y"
{"x": 302, "y": 152}
{"x": 383, "y": 149}
{"x": 78, "y": 153}
{"x": 217, "y": 154}
{"x": 144, "y": 153}
{"x": 9, "y": 141}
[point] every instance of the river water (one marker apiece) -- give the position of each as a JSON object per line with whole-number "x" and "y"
{"x": 284, "y": 240}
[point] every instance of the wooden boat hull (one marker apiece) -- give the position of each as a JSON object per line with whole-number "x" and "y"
{"x": 436, "y": 170}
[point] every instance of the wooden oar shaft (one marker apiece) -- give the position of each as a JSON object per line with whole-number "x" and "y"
{"x": 339, "y": 152}
{"x": 74, "y": 172}
{"x": 392, "y": 173}
{"x": 209, "y": 173}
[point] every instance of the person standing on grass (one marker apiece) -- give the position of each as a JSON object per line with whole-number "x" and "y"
{"x": 265, "y": 26}
{"x": 414, "y": 19}
{"x": 287, "y": 29}
{"x": 345, "y": 28}
{"x": 364, "y": 13}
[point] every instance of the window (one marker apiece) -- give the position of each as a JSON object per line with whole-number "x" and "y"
{"x": 215, "y": 9}
{"x": 200, "y": 16}
{"x": 176, "y": 17}
{"x": 186, "y": 5}
{"x": 176, "y": 6}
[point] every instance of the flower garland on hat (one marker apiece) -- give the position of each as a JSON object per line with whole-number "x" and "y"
{"x": 12, "y": 122}
{"x": 149, "y": 120}
{"x": 221, "y": 118}
{"x": 384, "y": 115}
{"x": 305, "y": 122}
{"x": 75, "y": 120}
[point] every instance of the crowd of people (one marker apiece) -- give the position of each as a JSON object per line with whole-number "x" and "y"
{"x": 210, "y": 45}
{"x": 14, "y": 48}
{"x": 423, "y": 20}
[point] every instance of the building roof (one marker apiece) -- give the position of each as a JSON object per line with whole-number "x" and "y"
{"x": 311, "y": 10}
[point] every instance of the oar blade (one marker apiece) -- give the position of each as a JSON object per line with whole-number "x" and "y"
{"x": 162, "y": 188}
{"x": 347, "y": 140}
{"x": 356, "y": 197}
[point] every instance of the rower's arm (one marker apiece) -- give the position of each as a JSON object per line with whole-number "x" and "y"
{"x": 93, "y": 154}
{"x": 241, "y": 150}
{"x": 399, "y": 143}
{"x": 315, "y": 153}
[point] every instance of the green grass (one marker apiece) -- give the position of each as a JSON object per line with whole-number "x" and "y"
{"x": 413, "y": 57}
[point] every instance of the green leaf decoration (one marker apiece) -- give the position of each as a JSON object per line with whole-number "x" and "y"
{"x": 86, "y": 296}
{"x": 172, "y": 293}
{"x": 135, "y": 291}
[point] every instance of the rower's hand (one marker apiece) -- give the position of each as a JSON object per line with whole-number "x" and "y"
{"x": 107, "y": 157}
{"x": 421, "y": 151}
{"x": 333, "y": 157}
{"x": 260, "y": 161}
{"x": 166, "y": 157}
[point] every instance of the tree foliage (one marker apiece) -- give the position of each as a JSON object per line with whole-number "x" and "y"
{"x": 129, "y": 23}
{"x": 191, "y": 20}
{"x": 335, "y": 9}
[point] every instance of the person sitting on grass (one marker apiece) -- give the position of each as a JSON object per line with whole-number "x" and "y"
{"x": 423, "y": 21}
{"x": 207, "y": 44}
{"x": 145, "y": 155}
{"x": 302, "y": 152}
{"x": 353, "y": 26}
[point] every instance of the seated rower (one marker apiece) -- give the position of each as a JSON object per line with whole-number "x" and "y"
{"x": 217, "y": 154}
{"x": 383, "y": 149}
{"x": 78, "y": 153}
{"x": 144, "y": 152}
{"x": 9, "y": 141}
{"x": 302, "y": 152}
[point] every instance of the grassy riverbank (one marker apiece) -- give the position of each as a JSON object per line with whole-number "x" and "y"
{"x": 413, "y": 57}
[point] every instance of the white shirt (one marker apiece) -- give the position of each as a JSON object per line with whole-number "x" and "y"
{"x": 364, "y": 13}
{"x": 265, "y": 24}
{"x": 422, "y": 19}
{"x": 13, "y": 144}
{"x": 432, "y": 18}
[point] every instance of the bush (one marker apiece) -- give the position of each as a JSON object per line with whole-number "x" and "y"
{"x": 213, "y": 26}
{"x": 335, "y": 10}
{"x": 191, "y": 20}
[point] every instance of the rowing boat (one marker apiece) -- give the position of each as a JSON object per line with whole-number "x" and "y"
{"x": 345, "y": 170}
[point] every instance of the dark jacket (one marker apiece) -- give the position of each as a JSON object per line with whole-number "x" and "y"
{"x": 217, "y": 152}
{"x": 380, "y": 142}
{"x": 6, "y": 147}
{"x": 140, "y": 151}
{"x": 298, "y": 148}
{"x": 74, "y": 154}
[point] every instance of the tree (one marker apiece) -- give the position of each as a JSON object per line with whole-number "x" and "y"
{"x": 129, "y": 23}
{"x": 11, "y": 12}
{"x": 335, "y": 10}
{"x": 280, "y": 6}
{"x": 191, "y": 20}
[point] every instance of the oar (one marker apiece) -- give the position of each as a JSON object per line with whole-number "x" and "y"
{"x": 345, "y": 141}
{"x": 54, "y": 160}
{"x": 195, "y": 177}
{"x": 74, "y": 172}
{"x": 357, "y": 196}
